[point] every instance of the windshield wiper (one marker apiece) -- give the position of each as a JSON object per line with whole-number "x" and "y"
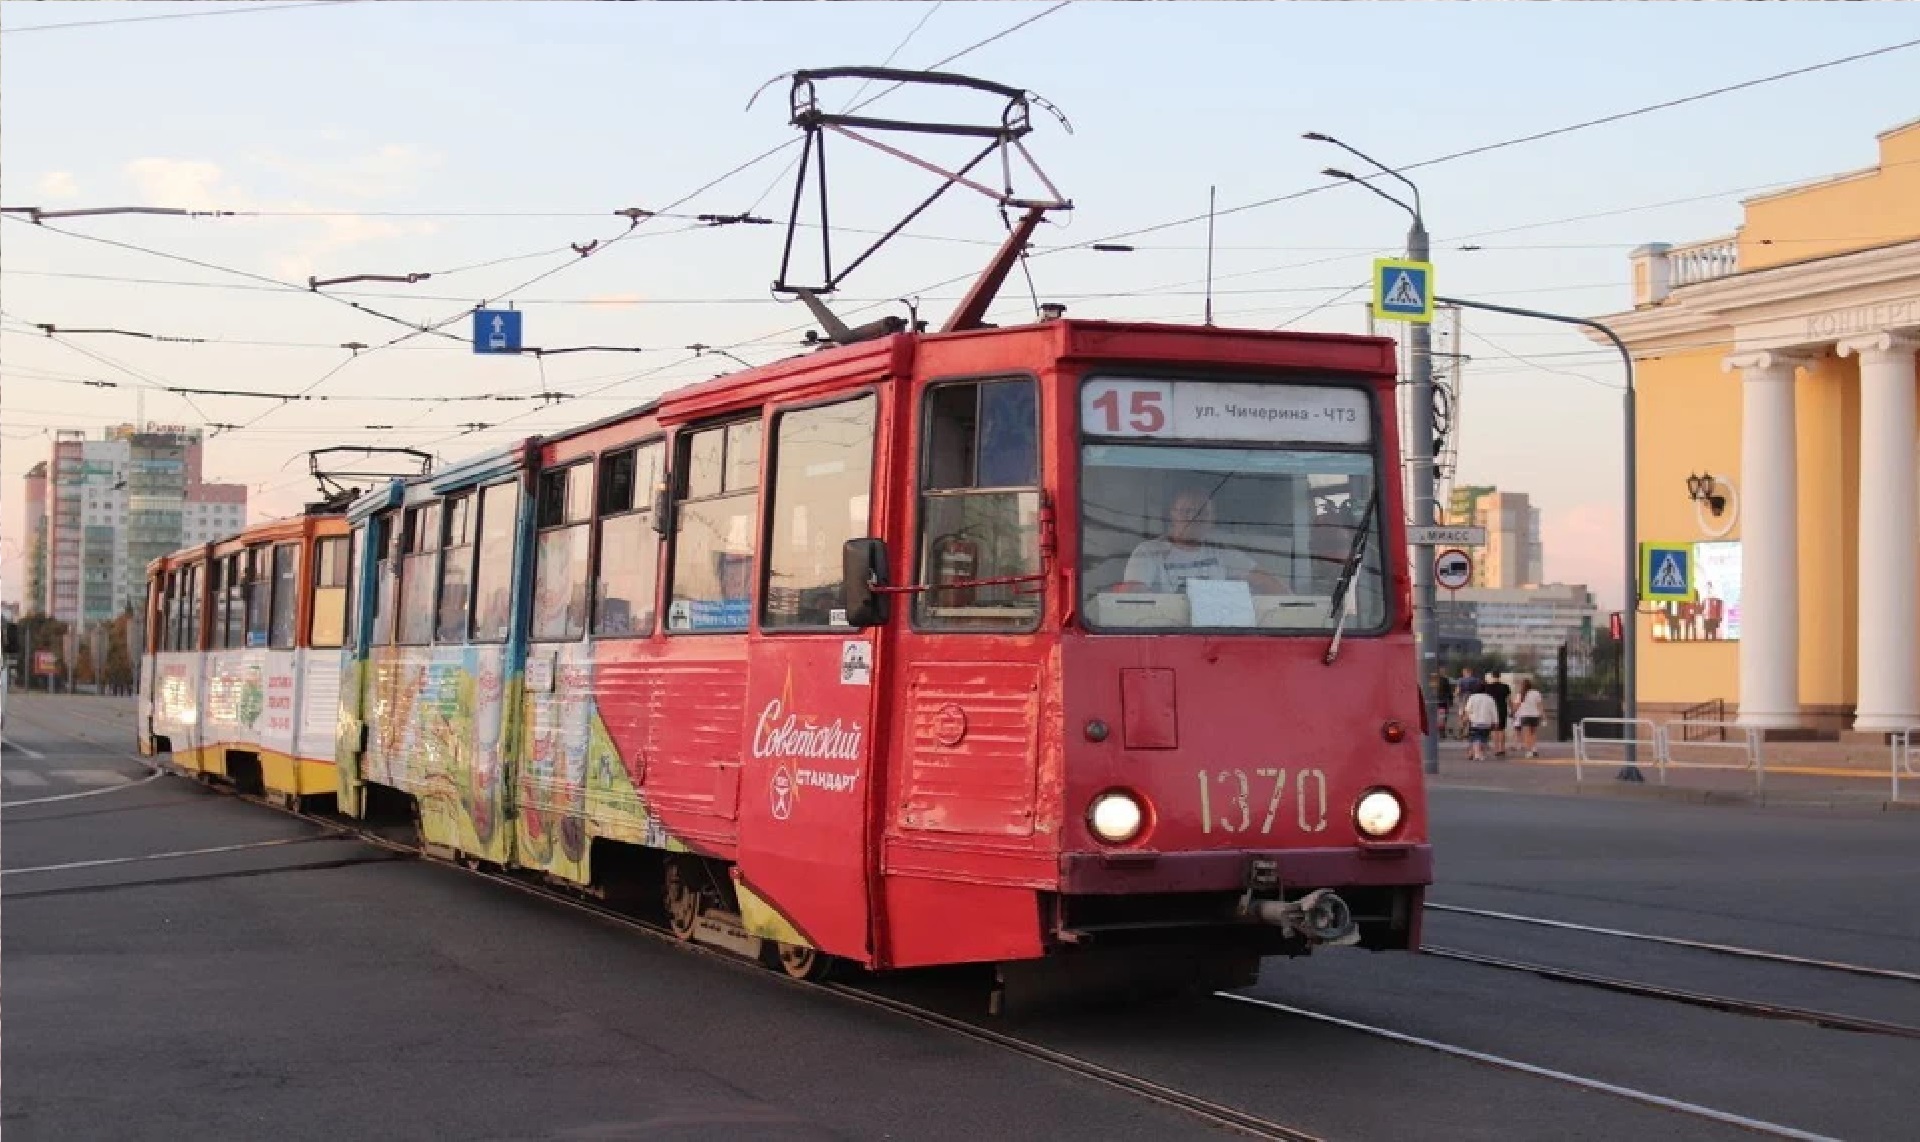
{"x": 1354, "y": 557}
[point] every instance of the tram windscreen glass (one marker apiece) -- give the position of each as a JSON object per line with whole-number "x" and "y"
{"x": 1224, "y": 506}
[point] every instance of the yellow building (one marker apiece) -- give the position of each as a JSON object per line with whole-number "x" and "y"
{"x": 1780, "y": 361}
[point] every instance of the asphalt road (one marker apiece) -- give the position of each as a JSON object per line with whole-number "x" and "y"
{"x": 295, "y": 984}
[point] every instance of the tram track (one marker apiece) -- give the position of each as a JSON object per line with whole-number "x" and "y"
{"x": 1729, "y": 1004}
{"x": 1568, "y": 1078}
{"x": 1678, "y": 942}
{"x": 1214, "y": 1113}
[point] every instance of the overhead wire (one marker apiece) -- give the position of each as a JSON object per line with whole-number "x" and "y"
{"x": 284, "y": 286}
{"x": 222, "y": 10}
{"x": 762, "y": 156}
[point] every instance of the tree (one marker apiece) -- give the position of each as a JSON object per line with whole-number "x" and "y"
{"x": 118, "y": 668}
{"x": 43, "y": 633}
{"x": 83, "y": 662}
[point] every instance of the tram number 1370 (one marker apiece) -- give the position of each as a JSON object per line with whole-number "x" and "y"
{"x": 1235, "y": 800}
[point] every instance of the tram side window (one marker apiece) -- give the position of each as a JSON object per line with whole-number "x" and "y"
{"x": 357, "y": 553}
{"x": 493, "y": 576}
{"x": 259, "y": 596}
{"x": 564, "y": 510}
{"x": 176, "y": 583}
{"x": 456, "y": 570}
{"x": 420, "y": 545}
{"x": 190, "y": 611}
{"x": 822, "y": 479}
{"x": 384, "y": 578}
{"x": 329, "y": 592}
{"x": 629, "y": 571}
{"x": 216, "y": 603}
{"x": 156, "y": 612}
{"x": 164, "y": 627}
{"x": 170, "y": 613}
{"x": 286, "y": 596}
{"x": 979, "y": 506}
{"x": 714, "y": 530}
{"x": 216, "y": 596}
{"x": 230, "y": 589}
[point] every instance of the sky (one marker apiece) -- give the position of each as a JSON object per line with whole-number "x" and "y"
{"x": 484, "y": 143}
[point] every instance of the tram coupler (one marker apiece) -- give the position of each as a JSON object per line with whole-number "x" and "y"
{"x": 1319, "y": 917}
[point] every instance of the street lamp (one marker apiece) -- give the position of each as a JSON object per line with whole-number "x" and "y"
{"x": 1630, "y": 546}
{"x": 1420, "y": 455}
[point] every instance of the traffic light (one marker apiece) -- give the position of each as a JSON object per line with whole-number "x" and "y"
{"x": 1616, "y": 626}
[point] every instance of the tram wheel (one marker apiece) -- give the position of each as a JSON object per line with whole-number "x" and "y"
{"x": 806, "y": 964}
{"x": 682, "y": 901}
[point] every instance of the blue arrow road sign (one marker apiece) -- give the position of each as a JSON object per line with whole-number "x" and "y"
{"x": 496, "y": 330}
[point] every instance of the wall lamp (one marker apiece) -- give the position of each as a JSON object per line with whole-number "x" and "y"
{"x": 1700, "y": 491}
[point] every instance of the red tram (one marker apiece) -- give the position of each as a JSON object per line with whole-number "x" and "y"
{"x": 1068, "y": 644}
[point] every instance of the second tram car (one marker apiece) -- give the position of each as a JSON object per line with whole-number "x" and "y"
{"x": 241, "y": 678}
{"x": 1069, "y": 643}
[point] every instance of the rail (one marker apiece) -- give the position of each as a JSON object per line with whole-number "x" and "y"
{"x": 1902, "y": 761}
{"x": 1712, "y": 711}
{"x": 1704, "y": 261}
{"x": 1747, "y": 742}
{"x": 1581, "y": 742}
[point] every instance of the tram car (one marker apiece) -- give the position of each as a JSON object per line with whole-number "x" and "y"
{"x": 241, "y": 672}
{"x": 1064, "y": 647}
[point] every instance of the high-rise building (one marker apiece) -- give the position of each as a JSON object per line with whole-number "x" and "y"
{"x": 35, "y": 531}
{"x": 1526, "y": 625}
{"x": 1463, "y": 503}
{"x": 1513, "y": 555}
{"x": 103, "y": 509}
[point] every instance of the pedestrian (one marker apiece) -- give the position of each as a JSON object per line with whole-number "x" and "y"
{"x": 1463, "y": 690}
{"x": 1500, "y": 692}
{"x": 1442, "y": 690}
{"x": 1529, "y": 711}
{"x": 1479, "y": 714}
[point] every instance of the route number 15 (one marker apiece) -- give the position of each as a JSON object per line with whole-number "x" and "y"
{"x": 1122, "y": 408}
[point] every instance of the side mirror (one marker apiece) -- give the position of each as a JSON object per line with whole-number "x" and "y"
{"x": 863, "y": 566}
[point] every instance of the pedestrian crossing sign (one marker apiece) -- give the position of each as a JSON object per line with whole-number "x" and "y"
{"x": 1666, "y": 573}
{"x": 1403, "y": 290}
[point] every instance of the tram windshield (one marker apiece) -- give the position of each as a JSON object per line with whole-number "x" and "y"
{"x": 1218, "y": 506}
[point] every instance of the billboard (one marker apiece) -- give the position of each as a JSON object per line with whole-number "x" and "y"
{"x": 1714, "y": 613}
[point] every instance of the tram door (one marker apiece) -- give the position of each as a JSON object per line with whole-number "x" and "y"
{"x": 965, "y": 672}
{"x": 808, "y": 780}
{"x": 370, "y": 621}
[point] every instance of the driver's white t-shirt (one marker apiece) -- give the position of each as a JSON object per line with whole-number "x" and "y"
{"x": 1162, "y": 568}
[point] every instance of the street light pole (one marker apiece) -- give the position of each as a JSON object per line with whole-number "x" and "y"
{"x": 1419, "y": 451}
{"x": 1426, "y": 622}
{"x": 1630, "y": 543}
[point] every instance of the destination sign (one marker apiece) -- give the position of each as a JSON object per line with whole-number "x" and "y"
{"x": 1212, "y": 410}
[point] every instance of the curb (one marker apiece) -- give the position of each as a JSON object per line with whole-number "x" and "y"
{"x": 1724, "y": 797}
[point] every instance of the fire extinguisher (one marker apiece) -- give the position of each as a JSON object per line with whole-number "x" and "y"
{"x": 956, "y": 559}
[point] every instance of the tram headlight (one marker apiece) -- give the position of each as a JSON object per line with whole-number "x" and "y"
{"x": 1378, "y": 813}
{"x": 1116, "y": 817}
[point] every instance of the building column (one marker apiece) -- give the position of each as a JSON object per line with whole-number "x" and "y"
{"x": 1769, "y": 526}
{"x": 1889, "y": 682}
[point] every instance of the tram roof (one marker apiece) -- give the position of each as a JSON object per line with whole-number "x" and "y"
{"x": 1033, "y": 345}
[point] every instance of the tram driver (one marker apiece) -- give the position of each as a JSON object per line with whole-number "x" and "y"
{"x": 1164, "y": 565}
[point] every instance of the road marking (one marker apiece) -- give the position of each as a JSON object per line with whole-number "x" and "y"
{"x": 169, "y": 856}
{"x": 154, "y": 776}
{"x": 1757, "y": 1125}
{"x": 22, "y": 777}
{"x": 28, "y": 750}
{"x": 92, "y": 776}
